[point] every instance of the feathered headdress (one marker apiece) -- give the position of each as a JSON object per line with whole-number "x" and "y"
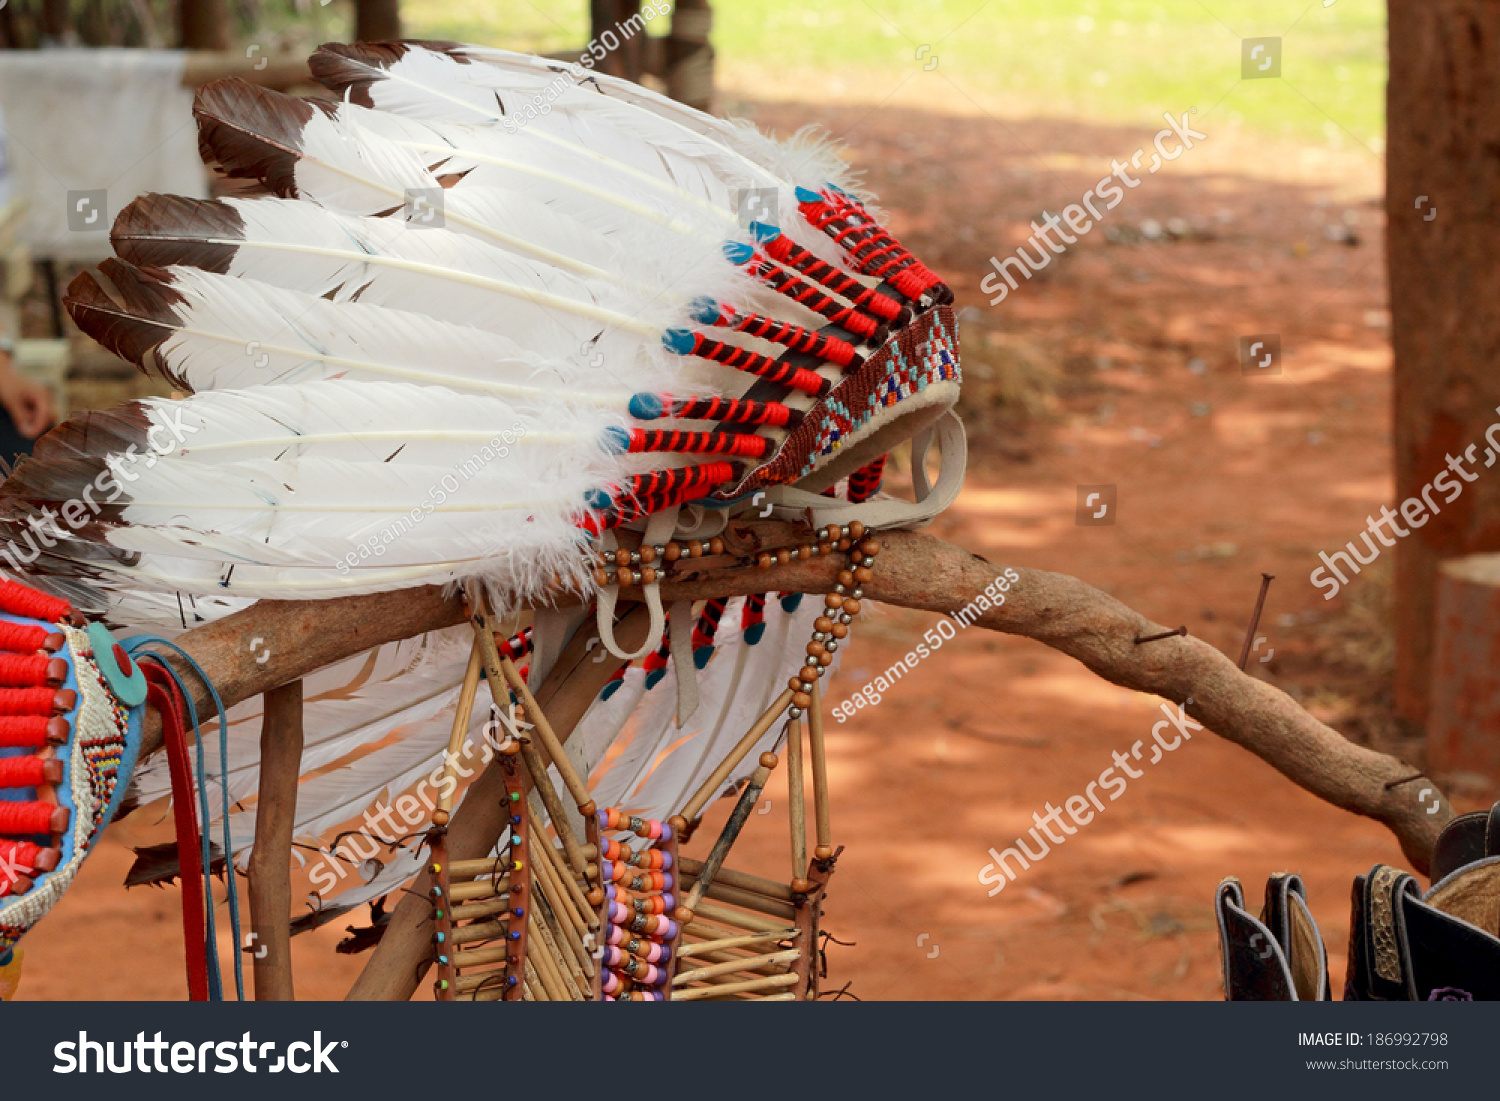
{"x": 474, "y": 315}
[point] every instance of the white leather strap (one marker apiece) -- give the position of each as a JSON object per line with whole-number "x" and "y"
{"x": 659, "y": 529}
{"x": 680, "y": 628}
{"x": 932, "y": 498}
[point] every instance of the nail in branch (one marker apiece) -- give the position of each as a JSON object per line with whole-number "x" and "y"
{"x": 1164, "y": 634}
{"x": 1260, "y": 602}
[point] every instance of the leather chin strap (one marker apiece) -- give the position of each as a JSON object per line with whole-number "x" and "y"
{"x": 789, "y": 502}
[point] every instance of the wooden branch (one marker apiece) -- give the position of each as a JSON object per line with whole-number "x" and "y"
{"x": 275, "y": 816}
{"x": 915, "y": 571}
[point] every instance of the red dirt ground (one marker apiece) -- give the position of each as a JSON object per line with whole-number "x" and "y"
{"x": 1220, "y": 478}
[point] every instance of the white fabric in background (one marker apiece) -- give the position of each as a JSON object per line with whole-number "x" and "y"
{"x": 112, "y": 120}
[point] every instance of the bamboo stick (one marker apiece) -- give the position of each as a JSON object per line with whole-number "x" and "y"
{"x": 270, "y": 869}
{"x": 542, "y": 785}
{"x": 715, "y": 782}
{"x": 737, "y": 919}
{"x": 475, "y": 869}
{"x": 732, "y": 828}
{"x": 562, "y": 966}
{"x": 535, "y": 988}
{"x": 483, "y": 908}
{"x": 815, "y": 742}
{"x": 564, "y": 928}
{"x": 750, "y": 900}
{"x": 750, "y": 963}
{"x": 545, "y": 961}
{"x": 558, "y": 872}
{"x": 797, "y": 809}
{"x": 698, "y": 948}
{"x": 461, "y": 715}
{"x": 571, "y": 780}
{"x": 475, "y": 957}
{"x": 480, "y": 930}
{"x": 770, "y": 982}
{"x": 770, "y": 888}
{"x": 468, "y": 984}
{"x": 477, "y": 889}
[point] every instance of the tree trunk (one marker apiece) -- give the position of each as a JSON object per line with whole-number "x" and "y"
{"x": 1443, "y": 234}
{"x": 377, "y": 20}
{"x": 617, "y": 27}
{"x": 205, "y": 24}
{"x": 690, "y": 55}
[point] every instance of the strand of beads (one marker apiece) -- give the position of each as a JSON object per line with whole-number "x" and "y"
{"x": 831, "y": 628}
{"x": 638, "y": 886}
{"x": 830, "y": 540}
{"x": 648, "y": 562}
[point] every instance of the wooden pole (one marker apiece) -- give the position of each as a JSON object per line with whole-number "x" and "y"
{"x": 461, "y": 716}
{"x": 204, "y": 24}
{"x": 820, "y": 773}
{"x": 270, "y": 860}
{"x": 916, "y": 571}
{"x": 715, "y": 782}
{"x": 690, "y": 54}
{"x": 1442, "y": 235}
{"x": 377, "y": 20}
{"x": 797, "y": 810}
{"x": 730, "y": 833}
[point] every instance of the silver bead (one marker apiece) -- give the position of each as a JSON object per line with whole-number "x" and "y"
{"x": 635, "y": 577}
{"x": 845, "y": 618}
{"x": 857, "y": 593}
{"x": 635, "y": 558}
{"x": 868, "y": 561}
{"x": 831, "y": 645}
{"x": 794, "y": 712}
{"x": 844, "y": 532}
{"x": 818, "y": 636}
{"x": 707, "y": 547}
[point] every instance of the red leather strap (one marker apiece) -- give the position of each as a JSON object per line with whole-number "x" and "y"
{"x": 162, "y": 694}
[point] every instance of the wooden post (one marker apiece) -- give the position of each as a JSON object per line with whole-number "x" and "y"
{"x": 1463, "y": 731}
{"x": 618, "y": 28}
{"x": 690, "y": 54}
{"x": 1443, "y": 233}
{"x": 204, "y": 24}
{"x": 270, "y": 869}
{"x": 377, "y": 20}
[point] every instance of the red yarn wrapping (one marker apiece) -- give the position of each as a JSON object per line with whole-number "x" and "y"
{"x": 21, "y": 772}
{"x": 22, "y": 600}
{"x": 23, "y": 731}
{"x": 25, "y": 818}
{"x": 18, "y": 671}
{"x": 26, "y": 701}
{"x": 20, "y": 855}
{"x": 22, "y": 638}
